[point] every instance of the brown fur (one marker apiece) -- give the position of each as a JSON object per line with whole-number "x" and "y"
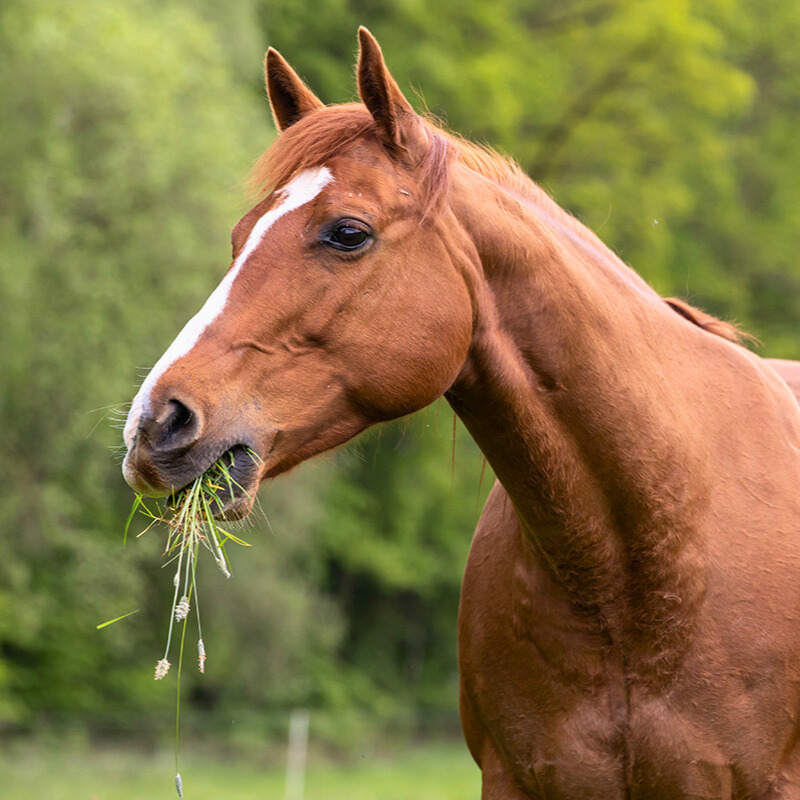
{"x": 630, "y": 614}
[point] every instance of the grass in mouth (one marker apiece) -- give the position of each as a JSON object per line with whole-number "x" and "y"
{"x": 188, "y": 516}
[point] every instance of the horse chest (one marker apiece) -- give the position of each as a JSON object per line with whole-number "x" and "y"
{"x": 541, "y": 688}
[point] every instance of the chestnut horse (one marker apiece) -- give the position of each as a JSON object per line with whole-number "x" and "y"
{"x": 630, "y": 613}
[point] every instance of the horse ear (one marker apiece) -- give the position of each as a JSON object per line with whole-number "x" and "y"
{"x": 395, "y": 119}
{"x": 289, "y": 98}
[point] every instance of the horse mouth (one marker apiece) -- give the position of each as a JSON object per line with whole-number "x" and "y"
{"x": 229, "y": 475}
{"x": 231, "y": 483}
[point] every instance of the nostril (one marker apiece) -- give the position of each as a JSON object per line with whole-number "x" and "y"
{"x": 180, "y": 426}
{"x": 179, "y": 417}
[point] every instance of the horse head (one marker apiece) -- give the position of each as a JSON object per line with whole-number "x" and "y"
{"x": 345, "y": 304}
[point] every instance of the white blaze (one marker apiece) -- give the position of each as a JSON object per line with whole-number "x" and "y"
{"x": 303, "y": 188}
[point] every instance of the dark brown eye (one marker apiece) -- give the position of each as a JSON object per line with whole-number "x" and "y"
{"x": 346, "y": 236}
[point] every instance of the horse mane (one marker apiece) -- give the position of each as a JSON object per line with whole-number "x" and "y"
{"x": 324, "y": 132}
{"x": 707, "y": 322}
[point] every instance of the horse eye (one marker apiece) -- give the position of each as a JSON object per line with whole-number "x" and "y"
{"x": 347, "y": 236}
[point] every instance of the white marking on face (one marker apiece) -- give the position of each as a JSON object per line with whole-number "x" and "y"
{"x": 302, "y": 189}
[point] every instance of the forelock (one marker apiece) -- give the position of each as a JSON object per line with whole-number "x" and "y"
{"x": 310, "y": 143}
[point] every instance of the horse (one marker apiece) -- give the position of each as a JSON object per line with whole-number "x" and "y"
{"x": 789, "y": 371}
{"x": 629, "y": 624}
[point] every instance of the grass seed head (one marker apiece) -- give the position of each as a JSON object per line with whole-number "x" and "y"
{"x": 162, "y": 668}
{"x": 182, "y": 609}
{"x": 222, "y": 565}
{"x": 201, "y": 656}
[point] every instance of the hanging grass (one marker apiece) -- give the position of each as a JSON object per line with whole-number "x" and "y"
{"x": 188, "y": 516}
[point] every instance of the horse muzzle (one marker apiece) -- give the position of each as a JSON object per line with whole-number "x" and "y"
{"x": 169, "y": 446}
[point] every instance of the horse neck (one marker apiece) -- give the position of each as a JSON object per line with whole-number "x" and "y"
{"x": 569, "y": 390}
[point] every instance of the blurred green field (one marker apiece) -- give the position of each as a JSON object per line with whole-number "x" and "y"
{"x": 36, "y": 772}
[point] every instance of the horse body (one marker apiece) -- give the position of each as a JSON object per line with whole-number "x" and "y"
{"x": 553, "y": 705}
{"x": 630, "y": 608}
{"x": 640, "y": 586}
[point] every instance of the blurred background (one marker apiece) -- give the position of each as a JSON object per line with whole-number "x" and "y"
{"x": 127, "y": 130}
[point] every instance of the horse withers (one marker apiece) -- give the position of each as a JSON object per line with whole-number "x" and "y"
{"x": 630, "y": 615}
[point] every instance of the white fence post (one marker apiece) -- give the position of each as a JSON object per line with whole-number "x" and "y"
{"x": 297, "y": 754}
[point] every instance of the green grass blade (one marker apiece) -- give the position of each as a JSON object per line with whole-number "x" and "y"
{"x": 233, "y": 538}
{"x": 136, "y": 503}
{"x": 117, "y": 619}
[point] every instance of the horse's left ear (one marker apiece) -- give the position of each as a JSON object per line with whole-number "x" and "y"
{"x": 396, "y": 121}
{"x": 289, "y": 97}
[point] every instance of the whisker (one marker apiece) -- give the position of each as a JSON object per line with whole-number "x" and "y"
{"x": 259, "y": 509}
{"x": 112, "y": 407}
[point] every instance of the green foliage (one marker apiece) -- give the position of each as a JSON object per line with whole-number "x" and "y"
{"x": 127, "y": 128}
{"x": 117, "y": 168}
{"x": 394, "y": 538}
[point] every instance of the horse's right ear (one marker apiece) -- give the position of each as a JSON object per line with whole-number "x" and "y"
{"x": 289, "y": 98}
